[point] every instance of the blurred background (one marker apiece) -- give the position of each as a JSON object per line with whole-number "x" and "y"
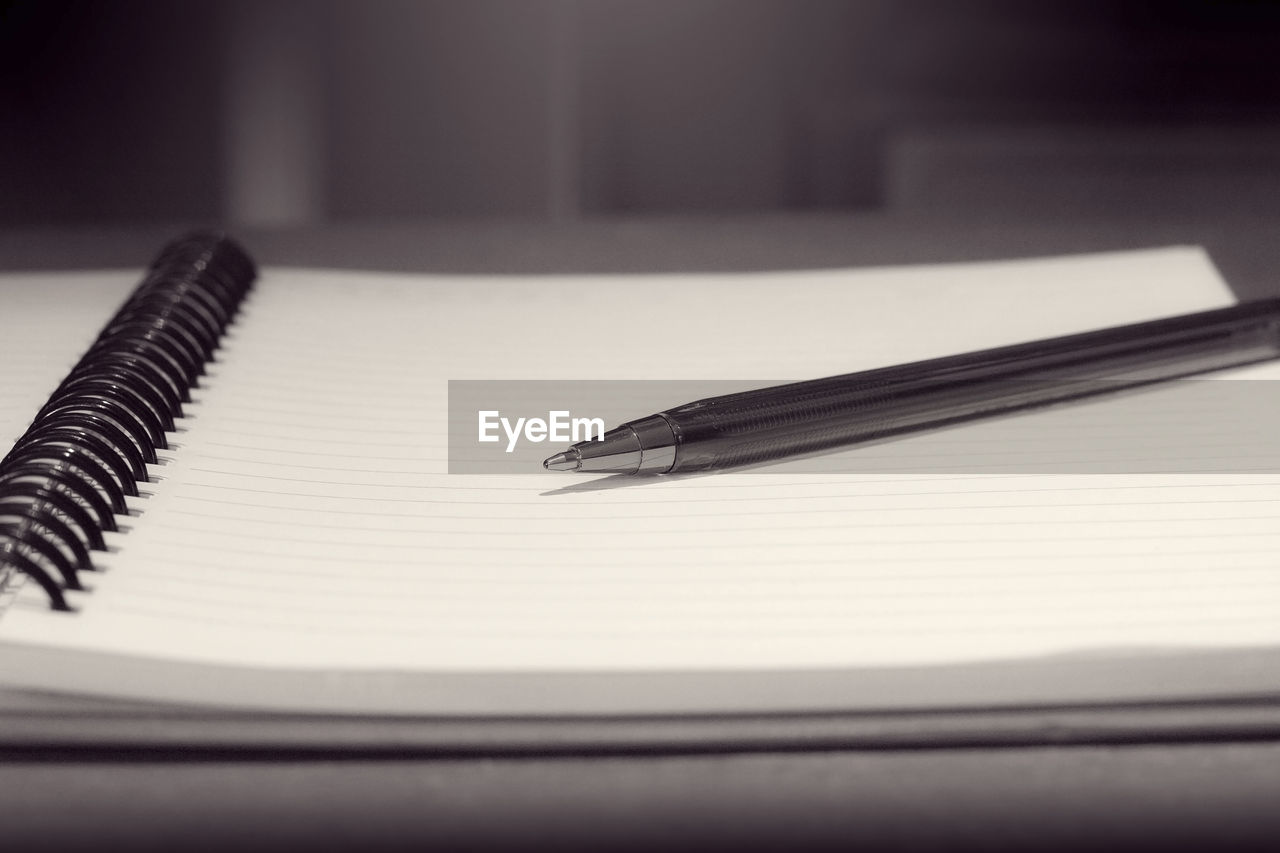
{"x": 284, "y": 112}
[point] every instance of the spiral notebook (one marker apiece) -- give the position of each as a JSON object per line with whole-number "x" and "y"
{"x": 237, "y": 498}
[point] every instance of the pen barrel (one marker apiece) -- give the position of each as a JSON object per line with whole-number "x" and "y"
{"x": 804, "y": 417}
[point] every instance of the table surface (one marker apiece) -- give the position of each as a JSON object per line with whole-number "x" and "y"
{"x": 1133, "y": 794}
{"x": 1247, "y": 251}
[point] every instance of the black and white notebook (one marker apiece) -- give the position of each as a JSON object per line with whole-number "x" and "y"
{"x": 296, "y": 544}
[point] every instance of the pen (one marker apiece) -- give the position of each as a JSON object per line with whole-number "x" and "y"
{"x": 820, "y": 414}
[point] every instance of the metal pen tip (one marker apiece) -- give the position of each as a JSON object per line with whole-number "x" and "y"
{"x": 567, "y": 461}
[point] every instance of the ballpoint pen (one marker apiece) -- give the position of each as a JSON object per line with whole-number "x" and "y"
{"x": 820, "y": 414}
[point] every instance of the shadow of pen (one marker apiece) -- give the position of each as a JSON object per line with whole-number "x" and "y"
{"x": 623, "y": 481}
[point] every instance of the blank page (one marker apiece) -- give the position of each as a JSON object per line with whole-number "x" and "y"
{"x": 48, "y": 321}
{"x": 307, "y": 522}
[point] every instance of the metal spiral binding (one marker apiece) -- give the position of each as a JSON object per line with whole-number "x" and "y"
{"x": 87, "y": 449}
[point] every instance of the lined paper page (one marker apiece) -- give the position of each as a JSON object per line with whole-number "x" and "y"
{"x": 307, "y": 522}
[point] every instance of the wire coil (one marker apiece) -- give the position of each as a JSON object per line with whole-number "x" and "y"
{"x": 68, "y": 475}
